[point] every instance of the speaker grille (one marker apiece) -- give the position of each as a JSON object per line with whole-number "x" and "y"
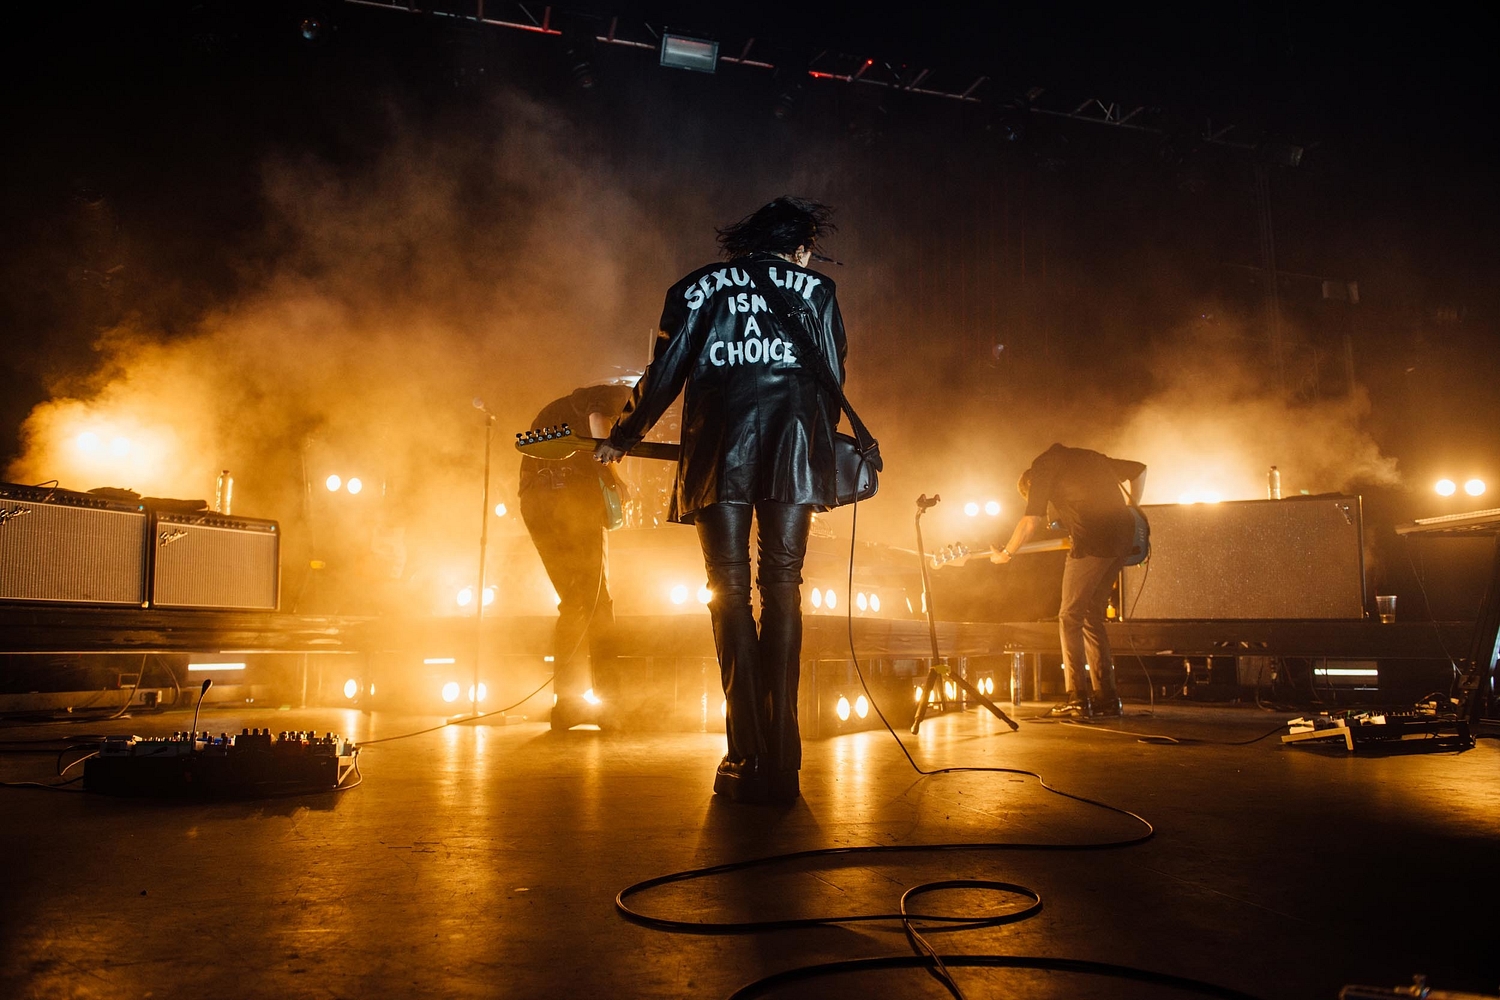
{"x": 55, "y": 552}
{"x": 201, "y": 564}
{"x": 1254, "y": 559}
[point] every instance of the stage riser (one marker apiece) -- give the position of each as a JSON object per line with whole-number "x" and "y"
{"x": 1298, "y": 559}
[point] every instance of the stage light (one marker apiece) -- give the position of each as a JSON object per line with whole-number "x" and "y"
{"x": 723, "y": 708}
{"x": 916, "y": 694}
{"x": 355, "y": 484}
{"x": 817, "y": 598}
{"x": 499, "y": 510}
{"x": 87, "y": 442}
{"x": 1445, "y": 487}
{"x": 489, "y": 596}
{"x": 875, "y": 602}
{"x": 483, "y": 691}
{"x": 372, "y": 690}
{"x": 351, "y": 688}
{"x": 1474, "y": 487}
{"x": 215, "y": 666}
{"x": 830, "y": 598}
{"x": 450, "y": 691}
{"x": 431, "y": 660}
{"x": 971, "y": 508}
{"x": 333, "y": 483}
{"x": 842, "y": 709}
{"x": 682, "y": 52}
{"x": 119, "y": 447}
{"x": 592, "y": 698}
{"x": 679, "y": 594}
{"x": 950, "y": 689}
{"x": 861, "y": 706}
{"x": 861, "y": 601}
{"x": 992, "y": 508}
{"x": 465, "y": 597}
{"x": 704, "y": 594}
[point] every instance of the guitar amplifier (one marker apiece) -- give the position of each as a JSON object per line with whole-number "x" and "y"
{"x": 1300, "y": 558}
{"x": 204, "y": 560}
{"x": 57, "y": 545}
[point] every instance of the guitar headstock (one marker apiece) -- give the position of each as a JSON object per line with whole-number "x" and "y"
{"x": 551, "y": 442}
{"x": 951, "y": 555}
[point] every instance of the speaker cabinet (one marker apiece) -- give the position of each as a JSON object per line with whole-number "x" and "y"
{"x": 56, "y": 545}
{"x": 212, "y": 561}
{"x": 1301, "y": 558}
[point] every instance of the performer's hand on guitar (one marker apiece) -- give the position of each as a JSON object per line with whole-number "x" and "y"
{"x": 606, "y": 453}
{"x": 1000, "y": 556}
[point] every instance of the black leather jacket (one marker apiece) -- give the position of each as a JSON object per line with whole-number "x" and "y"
{"x": 756, "y": 422}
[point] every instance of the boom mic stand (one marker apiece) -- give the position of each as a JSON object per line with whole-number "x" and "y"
{"x": 939, "y": 668}
{"x": 484, "y": 541}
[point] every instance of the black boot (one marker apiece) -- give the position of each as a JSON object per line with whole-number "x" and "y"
{"x": 742, "y": 781}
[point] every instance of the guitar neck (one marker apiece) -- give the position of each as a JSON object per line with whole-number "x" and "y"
{"x": 646, "y": 449}
{"x": 1045, "y": 545}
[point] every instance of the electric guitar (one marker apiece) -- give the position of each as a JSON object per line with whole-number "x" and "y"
{"x": 557, "y": 443}
{"x": 958, "y": 553}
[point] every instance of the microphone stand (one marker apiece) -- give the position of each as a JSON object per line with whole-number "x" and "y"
{"x": 939, "y": 668}
{"x": 484, "y": 541}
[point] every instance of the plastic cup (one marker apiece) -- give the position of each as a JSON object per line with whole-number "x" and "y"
{"x": 1385, "y": 604}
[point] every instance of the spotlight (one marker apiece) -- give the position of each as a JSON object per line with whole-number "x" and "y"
{"x": 1474, "y": 487}
{"x": 88, "y": 441}
{"x": 1445, "y": 487}
{"x": 950, "y": 689}
{"x": 450, "y": 691}
{"x": 333, "y": 483}
{"x": 499, "y": 510}
{"x": 830, "y": 598}
{"x": 875, "y": 602}
{"x": 861, "y": 601}
{"x": 119, "y": 447}
{"x": 992, "y": 508}
{"x": 790, "y": 81}
{"x": 489, "y": 596}
{"x": 842, "y": 709}
{"x": 351, "y": 688}
{"x": 483, "y": 691}
{"x": 971, "y": 508}
{"x": 372, "y": 690}
{"x": 916, "y": 694}
{"x": 817, "y": 598}
{"x": 679, "y": 594}
{"x": 355, "y": 484}
{"x": 465, "y": 597}
{"x": 592, "y": 698}
{"x": 861, "y": 706}
{"x": 704, "y": 594}
{"x": 682, "y": 52}
{"x": 578, "y": 48}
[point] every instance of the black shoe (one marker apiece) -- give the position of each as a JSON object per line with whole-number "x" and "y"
{"x": 783, "y": 785}
{"x": 1109, "y": 708}
{"x": 1071, "y": 710}
{"x": 742, "y": 780}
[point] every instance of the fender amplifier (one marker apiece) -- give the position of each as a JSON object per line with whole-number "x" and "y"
{"x": 1300, "y": 558}
{"x": 204, "y": 560}
{"x": 57, "y": 545}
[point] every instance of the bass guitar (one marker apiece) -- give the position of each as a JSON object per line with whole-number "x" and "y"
{"x": 557, "y": 443}
{"x": 958, "y": 553}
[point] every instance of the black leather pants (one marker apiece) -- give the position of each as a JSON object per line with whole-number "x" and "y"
{"x": 759, "y": 669}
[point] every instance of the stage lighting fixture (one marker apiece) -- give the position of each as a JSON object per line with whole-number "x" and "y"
{"x": 916, "y": 694}
{"x": 992, "y": 508}
{"x": 950, "y": 689}
{"x": 489, "y": 596}
{"x": 683, "y": 52}
{"x": 372, "y": 690}
{"x": 192, "y": 667}
{"x": 817, "y": 598}
{"x": 119, "y": 447}
{"x": 88, "y": 442}
{"x": 592, "y": 698}
{"x": 1474, "y": 487}
{"x": 465, "y": 596}
{"x": 791, "y": 82}
{"x": 830, "y": 598}
{"x": 500, "y": 510}
{"x": 861, "y": 706}
{"x": 861, "y": 601}
{"x": 483, "y": 692}
{"x": 875, "y": 602}
{"x": 704, "y": 594}
{"x": 723, "y": 708}
{"x": 351, "y": 688}
{"x": 333, "y": 483}
{"x": 842, "y": 709}
{"x": 578, "y": 47}
{"x": 971, "y": 508}
{"x": 1445, "y": 487}
{"x": 429, "y": 661}
{"x": 679, "y": 594}
{"x": 450, "y": 691}
{"x": 354, "y": 485}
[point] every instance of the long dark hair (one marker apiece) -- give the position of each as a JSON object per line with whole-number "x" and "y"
{"x": 779, "y": 227}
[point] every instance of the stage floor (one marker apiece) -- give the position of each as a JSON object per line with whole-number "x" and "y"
{"x": 483, "y": 861}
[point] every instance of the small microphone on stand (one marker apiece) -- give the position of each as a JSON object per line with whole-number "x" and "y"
{"x": 926, "y": 503}
{"x": 208, "y": 682}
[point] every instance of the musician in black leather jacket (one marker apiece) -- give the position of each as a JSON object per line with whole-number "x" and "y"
{"x": 757, "y": 442}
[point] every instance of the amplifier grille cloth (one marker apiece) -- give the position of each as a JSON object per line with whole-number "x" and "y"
{"x": 212, "y": 567}
{"x": 52, "y": 552}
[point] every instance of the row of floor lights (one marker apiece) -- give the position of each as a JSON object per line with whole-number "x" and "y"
{"x": 1447, "y": 487}
{"x": 861, "y": 707}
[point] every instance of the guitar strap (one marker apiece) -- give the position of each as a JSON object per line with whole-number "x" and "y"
{"x": 792, "y": 314}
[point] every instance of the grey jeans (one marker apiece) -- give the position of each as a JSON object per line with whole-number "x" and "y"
{"x": 1086, "y": 586}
